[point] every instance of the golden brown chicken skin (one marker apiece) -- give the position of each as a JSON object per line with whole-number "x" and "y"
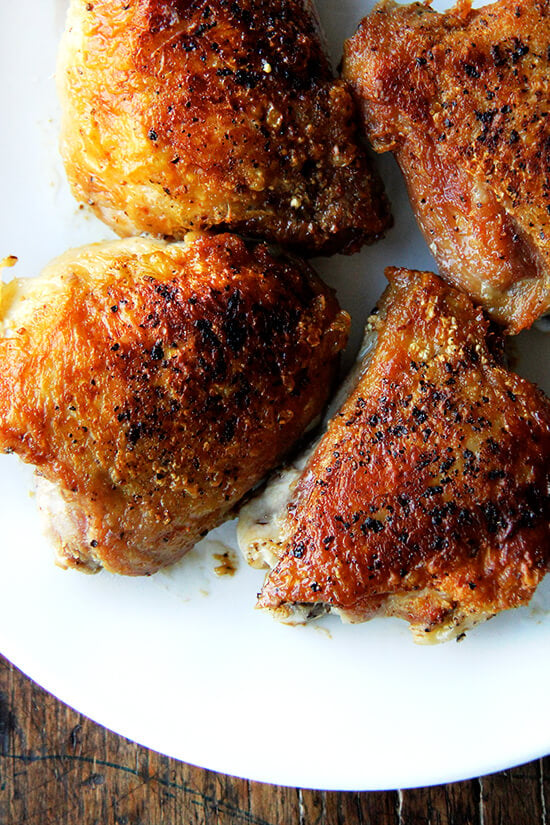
{"x": 192, "y": 114}
{"x": 428, "y": 496}
{"x": 462, "y": 100}
{"x": 153, "y": 384}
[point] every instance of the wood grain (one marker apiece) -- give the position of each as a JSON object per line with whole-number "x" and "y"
{"x": 58, "y": 768}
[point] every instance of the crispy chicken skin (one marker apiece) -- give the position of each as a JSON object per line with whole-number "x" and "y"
{"x": 192, "y": 114}
{"x": 462, "y": 100}
{"x": 153, "y": 384}
{"x": 428, "y": 496}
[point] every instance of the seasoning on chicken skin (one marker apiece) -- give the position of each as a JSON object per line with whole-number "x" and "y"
{"x": 462, "y": 100}
{"x": 193, "y": 114}
{"x": 153, "y": 384}
{"x": 428, "y": 497}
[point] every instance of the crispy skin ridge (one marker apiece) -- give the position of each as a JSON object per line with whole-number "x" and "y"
{"x": 192, "y": 114}
{"x": 462, "y": 100}
{"x": 155, "y": 384}
{"x": 428, "y": 497}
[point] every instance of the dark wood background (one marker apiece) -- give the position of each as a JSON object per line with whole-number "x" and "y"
{"x": 58, "y": 768}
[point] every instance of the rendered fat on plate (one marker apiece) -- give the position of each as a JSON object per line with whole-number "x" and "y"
{"x": 153, "y": 384}
{"x": 193, "y": 114}
{"x": 428, "y": 497}
{"x": 462, "y": 100}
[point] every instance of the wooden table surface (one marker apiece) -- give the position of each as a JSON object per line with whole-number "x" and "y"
{"x": 58, "y": 768}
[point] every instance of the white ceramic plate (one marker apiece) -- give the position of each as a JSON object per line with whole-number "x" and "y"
{"x": 180, "y": 661}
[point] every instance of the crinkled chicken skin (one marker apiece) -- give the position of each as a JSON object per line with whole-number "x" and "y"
{"x": 153, "y": 384}
{"x": 462, "y": 100}
{"x": 193, "y": 114}
{"x": 428, "y": 497}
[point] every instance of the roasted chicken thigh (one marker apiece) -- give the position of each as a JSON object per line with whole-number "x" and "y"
{"x": 428, "y": 498}
{"x": 462, "y": 100}
{"x": 192, "y": 114}
{"x": 153, "y": 384}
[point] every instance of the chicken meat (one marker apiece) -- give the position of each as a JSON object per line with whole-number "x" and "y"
{"x": 462, "y": 99}
{"x": 153, "y": 384}
{"x": 428, "y": 497}
{"x": 186, "y": 115}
